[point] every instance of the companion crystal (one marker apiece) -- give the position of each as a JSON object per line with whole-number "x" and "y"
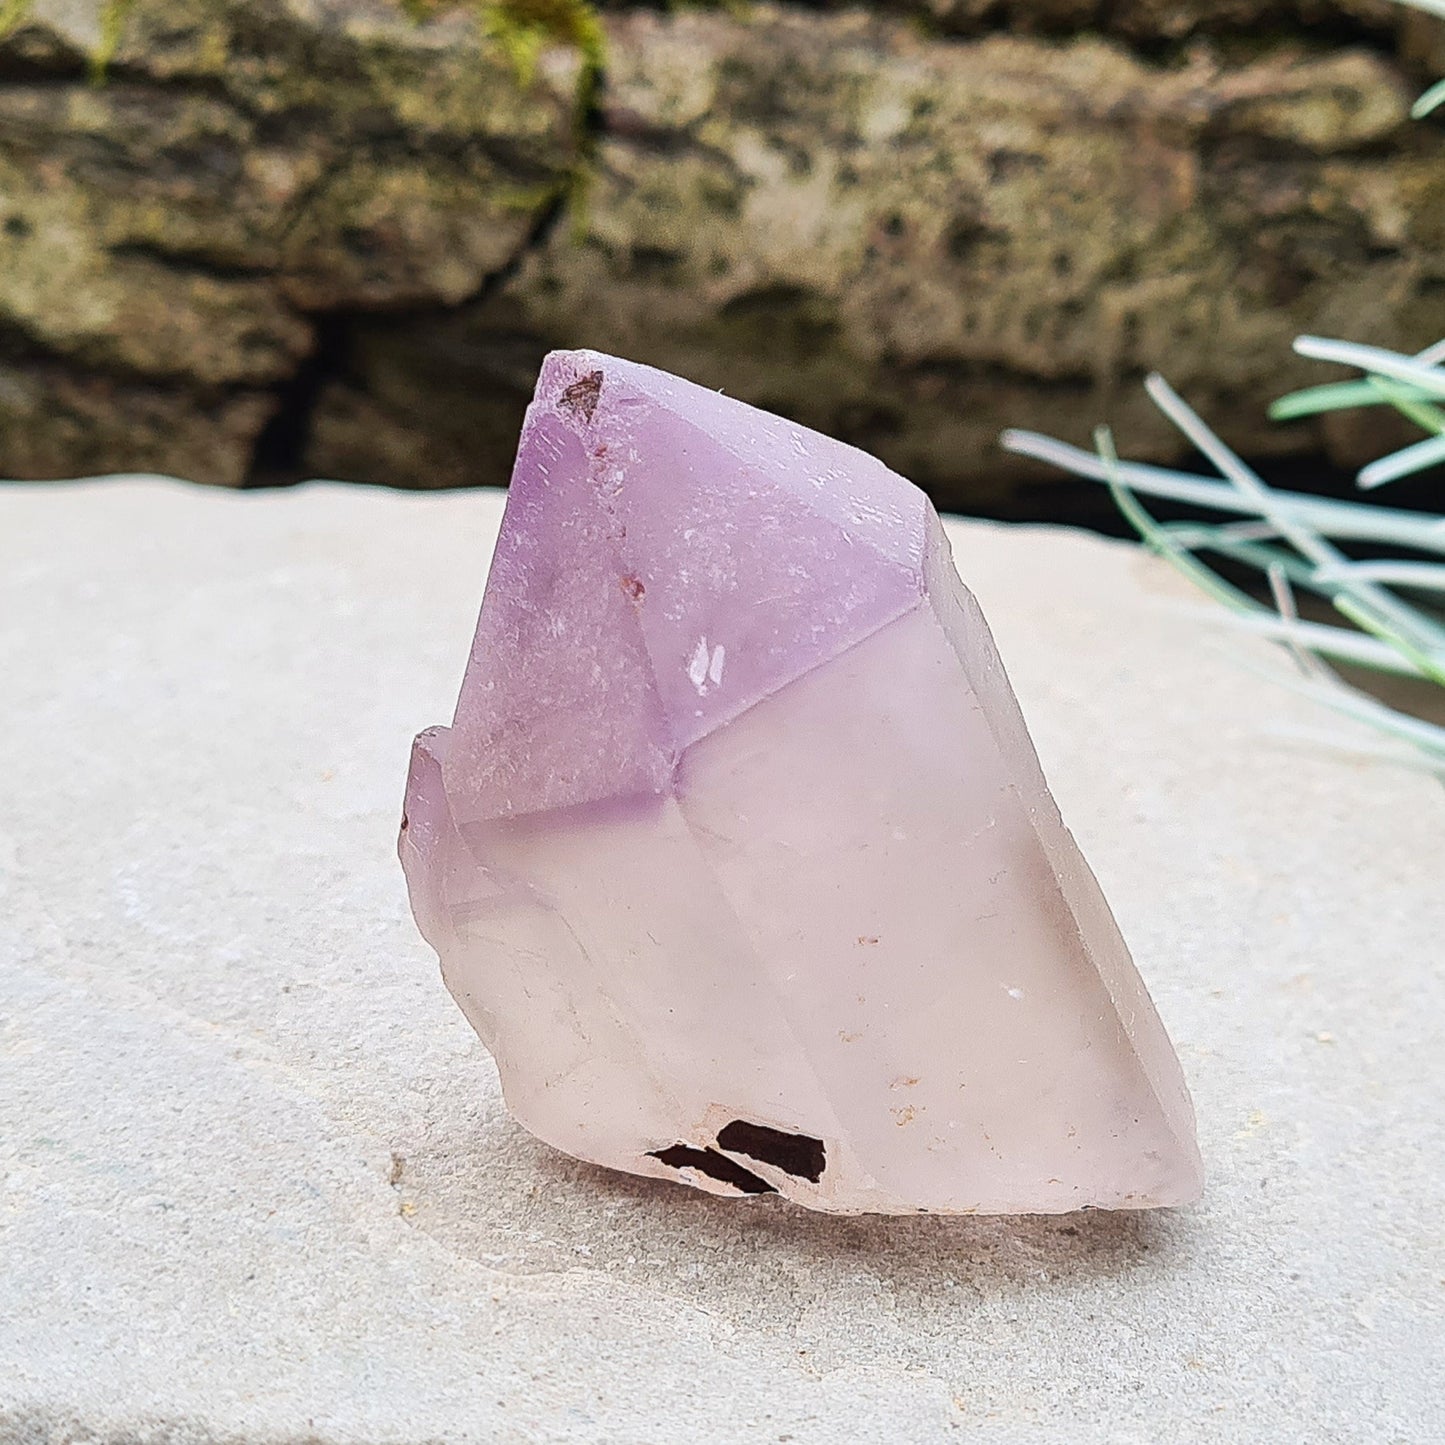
{"x": 737, "y": 854}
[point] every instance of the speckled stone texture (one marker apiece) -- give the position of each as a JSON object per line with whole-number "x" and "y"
{"x": 258, "y": 1183}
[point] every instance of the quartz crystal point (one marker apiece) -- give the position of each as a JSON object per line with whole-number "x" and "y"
{"x": 737, "y": 854}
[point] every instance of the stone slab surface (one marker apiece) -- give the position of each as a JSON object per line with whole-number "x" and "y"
{"x": 257, "y": 1181}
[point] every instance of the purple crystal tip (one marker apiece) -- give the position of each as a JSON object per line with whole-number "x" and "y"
{"x": 737, "y": 853}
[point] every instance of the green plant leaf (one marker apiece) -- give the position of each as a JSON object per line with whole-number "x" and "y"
{"x": 1287, "y": 535}
{"x": 1342, "y": 520}
{"x": 1333, "y": 396}
{"x": 1340, "y": 644}
{"x": 1158, "y": 539}
{"x": 1283, "y": 538}
{"x": 1424, "y": 375}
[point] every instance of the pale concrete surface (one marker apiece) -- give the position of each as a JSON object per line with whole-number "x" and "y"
{"x": 258, "y": 1184}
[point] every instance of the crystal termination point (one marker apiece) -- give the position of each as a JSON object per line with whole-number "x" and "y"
{"x": 737, "y": 854}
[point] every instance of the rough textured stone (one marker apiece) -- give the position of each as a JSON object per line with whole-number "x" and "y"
{"x": 256, "y": 1179}
{"x": 59, "y": 419}
{"x": 1154, "y": 21}
{"x": 910, "y": 240}
{"x": 911, "y": 244}
{"x": 245, "y": 170}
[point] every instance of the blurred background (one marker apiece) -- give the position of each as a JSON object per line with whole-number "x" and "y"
{"x": 253, "y": 241}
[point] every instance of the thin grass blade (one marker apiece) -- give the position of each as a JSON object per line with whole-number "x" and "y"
{"x": 1332, "y": 396}
{"x": 1256, "y": 554}
{"x": 1403, "y": 463}
{"x": 1158, "y": 539}
{"x": 1425, "y": 576}
{"x": 1345, "y": 699}
{"x": 1344, "y": 521}
{"x": 1429, "y": 101}
{"x": 1374, "y": 359}
{"x": 1284, "y": 604}
{"x": 1339, "y": 644}
{"x": 1370, "y": 606}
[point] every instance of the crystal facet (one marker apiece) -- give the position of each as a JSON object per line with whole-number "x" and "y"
{"x": 737, "y": 853}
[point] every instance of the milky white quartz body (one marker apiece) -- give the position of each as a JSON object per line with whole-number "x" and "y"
{"x": 737, "y": 853}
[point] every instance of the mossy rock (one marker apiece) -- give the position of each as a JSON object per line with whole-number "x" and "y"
{"x": 913, "y": 244}
{"x": 331, "y": 236}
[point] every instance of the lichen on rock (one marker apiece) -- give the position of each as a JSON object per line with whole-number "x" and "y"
{"x": 247, "y": 170}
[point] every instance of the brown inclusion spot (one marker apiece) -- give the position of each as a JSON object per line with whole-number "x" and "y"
{"x": 581, "y": 397}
